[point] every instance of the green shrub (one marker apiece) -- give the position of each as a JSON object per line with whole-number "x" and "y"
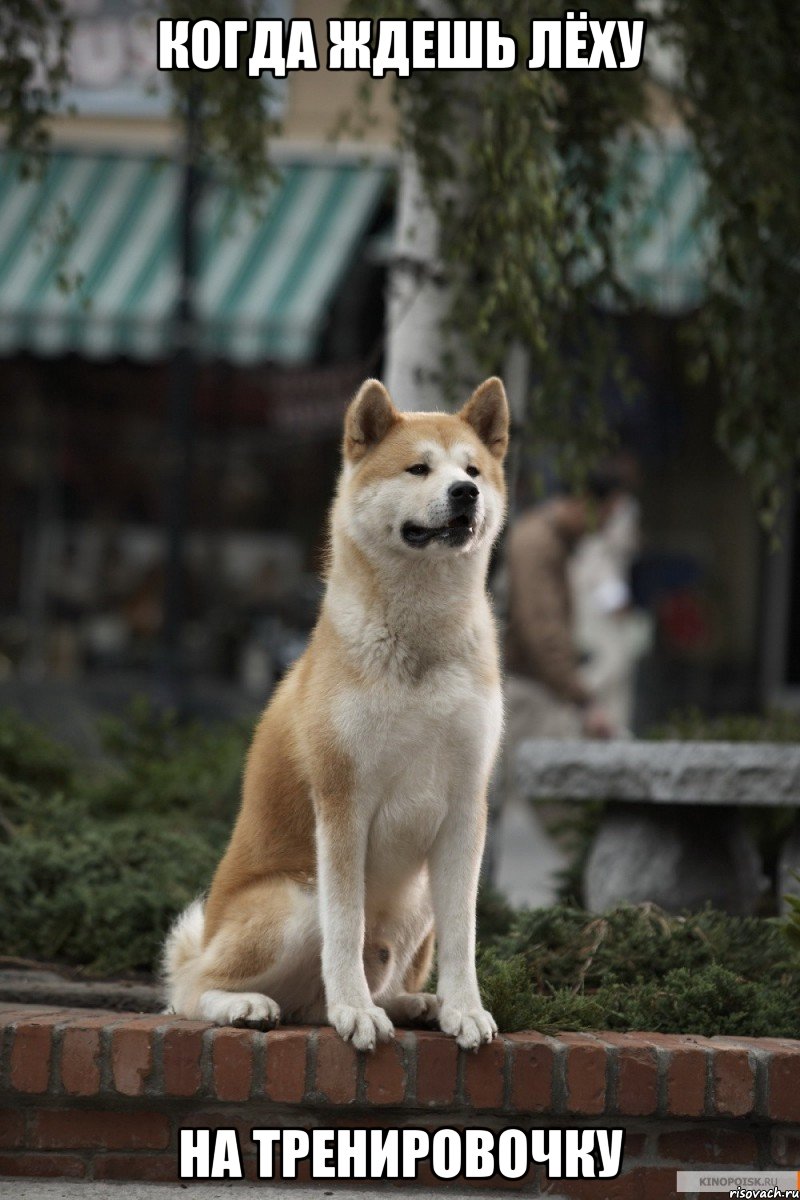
{"x": 96, "y": 860}
{"x": 100, "y": 894}
{"x": 691, "y": 725}
{"x": 160, "y": 765}
{"x": 637, "y": 968}
{"x": 567, "y": 947}
{"x": 30, "y": 756}
{"x": 95, "y": 863}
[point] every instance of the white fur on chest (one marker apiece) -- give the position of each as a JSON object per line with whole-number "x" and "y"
{"x": 394, "y": 731}
{"x": 416, "y": 750}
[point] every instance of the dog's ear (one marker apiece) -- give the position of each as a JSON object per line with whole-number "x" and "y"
{"x": 369, "y": 418}
{"x": 487, "y": 412}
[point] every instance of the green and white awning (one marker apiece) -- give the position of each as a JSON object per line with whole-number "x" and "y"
{"x": 88, "y": 257}
{"x": 663, "y": 245}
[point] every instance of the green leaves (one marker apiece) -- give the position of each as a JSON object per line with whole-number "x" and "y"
{"x": 96, "y": 859}
{"x": 791, "y": 926}
{"x": 237, "y": 112}
{"x": 637, "y": 968}
{"x": 519, "y": 167}
{"x": 33, "y": 35}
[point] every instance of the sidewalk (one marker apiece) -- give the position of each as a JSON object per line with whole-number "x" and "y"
{"x": 62, "y": 1189}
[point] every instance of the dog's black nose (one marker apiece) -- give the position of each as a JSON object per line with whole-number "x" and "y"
{"x": 462, "y": 494}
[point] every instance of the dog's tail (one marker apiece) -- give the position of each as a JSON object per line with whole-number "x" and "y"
{"x": 182, "y": 950}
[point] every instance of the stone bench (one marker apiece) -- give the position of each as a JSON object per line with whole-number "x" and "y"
{"x": 672, "y": 832}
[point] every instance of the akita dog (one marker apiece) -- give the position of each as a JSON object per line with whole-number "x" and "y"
{"x": 363, "y": 814}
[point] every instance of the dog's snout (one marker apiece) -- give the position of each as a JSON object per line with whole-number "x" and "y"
{"x": 463, "y": 494}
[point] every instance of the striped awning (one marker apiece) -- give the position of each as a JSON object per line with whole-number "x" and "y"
{"x": 662, "y": 243}
{"x": 89, "y": 257}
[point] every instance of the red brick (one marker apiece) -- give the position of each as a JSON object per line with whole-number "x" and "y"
{"x": 337, "y": 1065}
{"x": 585, "y": 1074}
{"x": 222, "y": 1118}
{"x": 12, "y": 1128}
{"x": 250, "y": 1165}
{"x": 31, "y": 1054}
{"x": 437, "y": 1064}
{"x": 657, "y": 1183}
{"x": 151, "y": 1168}
{"x": 751, "y": 1043}
{"x": 635, "y": 1144}
{"x": 532, "y": 1059}
{"x": 131, "y": 1059}
{"x": 625, "y": 1187}
{"x": 385, "y": 1073}
{"x": 786, "y": 1147}
{"x": 232, "y": 1063}
{"x": 79, "y": 1129}
{"x": 182, "y": 1049}
{"x": 784, "y": 1085}
{"x": 723, "y": 1147}
{"x": 51, "y": 1166}
{"x": 433, "y": 1186}
{"x": 483, "y": 1075}
{"x": 11, "y": 1013}
{"x": 285, "y": 1079}
{"x": 302, "y": 1174}
{"x": 80, "y": 1061}
{"x": 686, "y": 1071}
{"x": 637, "y": 1074}
{"x": 734, "y": 1083}
{"x": 686, "y": 1082}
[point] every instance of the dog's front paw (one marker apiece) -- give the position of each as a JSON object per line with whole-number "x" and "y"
{"x": 469, "y": 1026}
{"x": 361, "y": 1026}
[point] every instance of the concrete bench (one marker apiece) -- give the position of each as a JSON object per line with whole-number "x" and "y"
{"x": 672, "y": 832}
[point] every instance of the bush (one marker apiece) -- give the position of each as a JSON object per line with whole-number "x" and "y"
{"x": 96, "y": 860}
{"x": 159, "y": 765}
{"x": 691, "y": 725}
{"x": 637, "y": 968}
{"x": 30, "y": 756}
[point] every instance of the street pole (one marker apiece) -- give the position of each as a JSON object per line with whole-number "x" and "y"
{"x": 182, "y": 383}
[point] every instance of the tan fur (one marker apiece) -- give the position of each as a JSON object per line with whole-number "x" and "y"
{"x": 304, "y": 770}
{"x": 417, "y": 974}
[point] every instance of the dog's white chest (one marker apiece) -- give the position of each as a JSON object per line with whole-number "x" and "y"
{"x": 415, "y": 751}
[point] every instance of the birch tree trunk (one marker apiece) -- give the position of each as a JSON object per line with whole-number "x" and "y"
{"x": 417, "y": 300}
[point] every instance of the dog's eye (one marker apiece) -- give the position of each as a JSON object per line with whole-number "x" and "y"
{"x": 472, "y": 471}
{"x": 419, "y": 469}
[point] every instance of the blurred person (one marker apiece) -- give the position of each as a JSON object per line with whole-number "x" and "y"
{"x": 547, "y": 695}
{"x": 611, "y": 634}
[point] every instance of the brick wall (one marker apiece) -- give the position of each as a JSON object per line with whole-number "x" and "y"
{"x": 103, "y": 1095}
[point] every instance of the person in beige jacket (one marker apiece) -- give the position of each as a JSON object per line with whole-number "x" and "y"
{"x": 546, "y": 694}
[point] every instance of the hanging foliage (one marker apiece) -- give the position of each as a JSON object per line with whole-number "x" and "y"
{"x": 519, "y": 166}
{"x": 742, "y": 106}
{"x": 34, "y": 36}
{"x": 237, "y": 111}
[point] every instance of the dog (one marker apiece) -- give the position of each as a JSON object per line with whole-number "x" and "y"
{"x": 363, "y": 812}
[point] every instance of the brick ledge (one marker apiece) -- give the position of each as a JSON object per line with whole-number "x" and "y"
{"x": 98, "y": 1094}
{"x": 81, "y": 1053}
